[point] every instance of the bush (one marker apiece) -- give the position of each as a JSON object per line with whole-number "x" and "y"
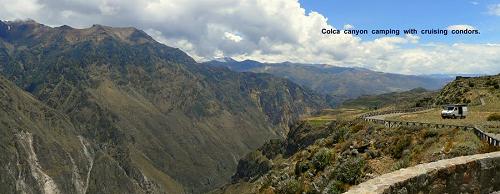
{"x": 335, "y": 187}
{"x": 494, "y": 117}
{"x": 403, "y": 163}
{"x": 396, "y": 150}
{"x": 490, "y": 83}
{"x": 301, "y": 167}
{"x": 430, "y": 133}
{"x": 289, "y": 186}
{"x": 465, "y": 143}
{"x": 349, "y": 170}
{"x": 322, "y": 158}
{"x": 339, "y": 134}
{"x": 464, "y": 149}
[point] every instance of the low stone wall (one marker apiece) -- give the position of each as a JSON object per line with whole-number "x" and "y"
{"x": 468, "y": 174}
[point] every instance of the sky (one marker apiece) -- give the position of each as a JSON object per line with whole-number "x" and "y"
{"x": 421, "y": 14}
{"x": 290, "y": 30}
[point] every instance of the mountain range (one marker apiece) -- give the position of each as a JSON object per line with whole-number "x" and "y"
{"x": 341, "y": 83}
{"x": 110, "y": 110}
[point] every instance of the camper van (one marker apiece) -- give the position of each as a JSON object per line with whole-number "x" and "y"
{"x": 454, "y": 111}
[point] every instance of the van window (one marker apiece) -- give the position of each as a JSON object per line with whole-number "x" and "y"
{"x": 450, "y": 108}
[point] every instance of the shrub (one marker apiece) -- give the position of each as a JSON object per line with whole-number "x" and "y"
{"x": 339, "y": 134}
{"x": 430, "y": 133}
{"x": 334, "y": 187}
{"x": 464, "y": 149}
{"x": 490, "y": 83}
{"x": 289, "y": 186}
{"x": 357, "y": 128}
{"x": 466, "y": 143}
{"x": 494, "y": 117}
{"x": 349, "y": 170}
{"x": 397, "y": 148}
{"x": 403, "y": 163}
{"x": 322, "y": 158}
{"x": 301, "y": 167}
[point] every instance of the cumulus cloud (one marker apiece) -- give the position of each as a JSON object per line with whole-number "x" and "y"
{"x": 494, "y": 9}
{"x": 265, "y": 30}
{"x": 232, "y": 37}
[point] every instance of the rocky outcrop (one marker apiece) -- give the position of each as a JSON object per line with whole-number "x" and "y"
{"x": 467, "y": 174}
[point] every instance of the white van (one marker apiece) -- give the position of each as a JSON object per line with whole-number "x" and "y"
{"x": 454, "y": 111}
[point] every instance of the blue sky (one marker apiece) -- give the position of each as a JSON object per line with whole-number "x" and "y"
{"x": 421, "y": 14}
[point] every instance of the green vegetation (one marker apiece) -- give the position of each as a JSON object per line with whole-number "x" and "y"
{"x": 398, "y": 145}
{"x": 322, "y": 158}
{"x": 470, "y": 90}
{"x": 291, "y": 186}
{"x": 494, "y": 117}
{"x": 333, "y": 157}
{"x": 349, "y": 169}
{"x": 418, "y": 97}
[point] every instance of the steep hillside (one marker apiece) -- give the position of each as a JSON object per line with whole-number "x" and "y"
{"x": 331, "y": 158}
{"x": 481, "y": 94}
{"x": 332, "y": 151}
{"x": 341, "y": 82}
{"x": 413, "y": 98}
{"x": 472, "y": 90}
{"x": 153, "y": 112}
{"x": 41, "y": 152}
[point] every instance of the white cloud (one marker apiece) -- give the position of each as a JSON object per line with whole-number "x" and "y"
{"x": 19, "y": 9}
{"x": 461, "y": 27}
{"x": 494, "y": 9}
{"x": 266, "y": 30}
{"x": 232, "y": 37}
{"x": 474, "y": 3}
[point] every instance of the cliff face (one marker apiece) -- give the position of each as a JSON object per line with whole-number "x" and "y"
{"x": 154, "y": 118}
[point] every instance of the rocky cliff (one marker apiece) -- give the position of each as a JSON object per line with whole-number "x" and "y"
{"x": 155, "y": 119}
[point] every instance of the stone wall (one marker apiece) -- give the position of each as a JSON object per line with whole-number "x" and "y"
{"x": 468, "y": 174}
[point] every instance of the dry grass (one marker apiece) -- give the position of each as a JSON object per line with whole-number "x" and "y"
{"x": 478, "y": 115}
{"x": 328, "y": 115}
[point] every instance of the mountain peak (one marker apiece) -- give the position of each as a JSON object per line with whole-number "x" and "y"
{"x": 99, "y": 32}
{"x": 225, "y": 59}
{"x": 26, "y": 29}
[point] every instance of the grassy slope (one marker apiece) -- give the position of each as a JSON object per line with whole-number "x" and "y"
{"x": 472, "y": 91}
{"x": 412, "y": 98}
{"x": 356, "y": 152}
